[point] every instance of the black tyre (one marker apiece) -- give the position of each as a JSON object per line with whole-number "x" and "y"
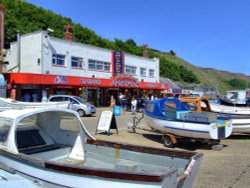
{"x": 81, "y": 112}
{"x": 167, "y": 142}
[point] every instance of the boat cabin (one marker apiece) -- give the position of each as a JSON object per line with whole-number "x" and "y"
{"x": 196, "y": 104}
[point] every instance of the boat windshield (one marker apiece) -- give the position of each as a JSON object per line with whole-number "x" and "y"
{"x": 5, "y": 125}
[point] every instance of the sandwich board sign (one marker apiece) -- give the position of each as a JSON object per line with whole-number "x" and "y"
{"x": 106, "y": 122}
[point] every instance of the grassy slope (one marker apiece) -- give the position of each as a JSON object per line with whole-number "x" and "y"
{"x": 210, "y": 76}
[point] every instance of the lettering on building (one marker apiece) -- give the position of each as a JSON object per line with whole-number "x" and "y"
{"x": 151, "y": 85}
{"x": 87, "y": 81}
{"x": 125, "y": 83}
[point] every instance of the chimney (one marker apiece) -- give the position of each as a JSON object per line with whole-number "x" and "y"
{"x": 68, "y": 32}
{"x": 145, "y": 50}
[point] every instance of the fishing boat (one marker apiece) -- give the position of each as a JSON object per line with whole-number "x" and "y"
{"x": 52, "y": 147}
{"x": 174, "y": 119}
{"x": 236, "y": 98}
{"x": 8, "y": 103}
{"x": 230, "y": 109}
{"x": 240, "y": 115}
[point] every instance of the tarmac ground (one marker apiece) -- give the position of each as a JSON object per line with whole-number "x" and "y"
{"x": 225, "y": 168}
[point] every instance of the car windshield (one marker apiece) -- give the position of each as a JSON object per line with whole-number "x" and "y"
{"x": 79, "y": 100}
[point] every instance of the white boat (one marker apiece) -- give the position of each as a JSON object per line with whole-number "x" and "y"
{"x": 8, "y": 103}
{"x": 51, "y": 146}
{"x": 240, "y": 115}
{"x": 230, "y": 109}
{"x": 171, "y": 117}
{"x": 236, "y": 98}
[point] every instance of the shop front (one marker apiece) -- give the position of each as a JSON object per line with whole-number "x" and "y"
{"x": 98, "y": 91}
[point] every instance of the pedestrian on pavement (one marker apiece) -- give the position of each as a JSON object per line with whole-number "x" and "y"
{"x": 133, "y": 105}
{"x": 124, "y": 105}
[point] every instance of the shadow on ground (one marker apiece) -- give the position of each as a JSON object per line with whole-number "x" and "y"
{"x": 185, "y": 144}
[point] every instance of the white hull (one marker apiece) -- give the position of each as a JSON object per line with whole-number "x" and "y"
{"x": 230, "y": 109}
{"x": 6, "y": 104}
{"x": 186, "y": 129}
{"x": 40, "y": 147}
{"x": 241, "y": 125}
{"x": 179, "y": 128}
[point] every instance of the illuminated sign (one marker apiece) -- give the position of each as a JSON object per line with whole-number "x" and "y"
{"x": 118, "y": 63}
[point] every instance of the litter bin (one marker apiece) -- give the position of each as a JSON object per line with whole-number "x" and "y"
{"x": 117, "y": 110}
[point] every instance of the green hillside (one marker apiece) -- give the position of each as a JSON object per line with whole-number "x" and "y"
{"x": 220, "y": 80}
{"x": 26, "y": 18}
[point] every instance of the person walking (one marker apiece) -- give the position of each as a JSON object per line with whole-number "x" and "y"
{"x": 133, "y": 105}
{"x": 124, "y": 105}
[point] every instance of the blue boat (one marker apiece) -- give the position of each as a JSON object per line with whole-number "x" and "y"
{"x": 172, "y": 118}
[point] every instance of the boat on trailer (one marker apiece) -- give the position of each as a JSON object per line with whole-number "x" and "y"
{"x": 172, "y": 118}
{"x": 51, "y": 146}
{"x": 240, "y": 115}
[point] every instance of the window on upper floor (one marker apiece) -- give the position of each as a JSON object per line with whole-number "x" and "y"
{"x": 58, "y": 59}
{"x": 151, "y": 73}
{"x": 77, "y": 62}
{"x": 130, "y": 69}
{"x": 143, "y": 72}
{"x": 98, "y": 65}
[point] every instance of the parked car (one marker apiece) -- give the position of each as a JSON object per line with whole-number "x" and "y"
{"x": 77, "y": 104}
{"x": 141, "y": 103}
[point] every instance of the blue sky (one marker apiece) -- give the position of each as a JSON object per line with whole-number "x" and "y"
{"x": 206, "y": 33}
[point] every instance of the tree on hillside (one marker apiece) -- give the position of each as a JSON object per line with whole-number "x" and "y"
{"x": 25, "y": 17}
{"x": 187, "y": 75}
{"x": 131, "y": 42}
{"x": 238, "y": 83}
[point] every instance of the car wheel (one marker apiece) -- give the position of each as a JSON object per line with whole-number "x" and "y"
{"x": 81, "y": 112}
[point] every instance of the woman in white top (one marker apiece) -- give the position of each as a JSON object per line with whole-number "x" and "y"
{"x": 133, "y": 105}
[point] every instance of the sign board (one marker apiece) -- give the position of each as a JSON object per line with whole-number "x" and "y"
{"x": 106, "y": 122}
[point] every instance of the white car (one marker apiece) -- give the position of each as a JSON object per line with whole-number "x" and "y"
{"x": 77, "y": 104}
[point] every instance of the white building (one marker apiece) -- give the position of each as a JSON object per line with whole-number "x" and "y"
{"x": 42, "y": 64}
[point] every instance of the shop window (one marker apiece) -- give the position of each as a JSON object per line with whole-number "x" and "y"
{"x": 143, "y": 72}
{"x": 130, "y": 70}
{"x": 58, "y": 59}
{"x": 98, "y": 65}
{"x": 151, "y": 73}
{"x": 77, "y": 62}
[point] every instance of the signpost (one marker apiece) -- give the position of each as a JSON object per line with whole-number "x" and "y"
{"x": 106, "y": 122}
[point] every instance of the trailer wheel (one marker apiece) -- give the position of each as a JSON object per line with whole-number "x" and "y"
{"x": 168, "y": 142}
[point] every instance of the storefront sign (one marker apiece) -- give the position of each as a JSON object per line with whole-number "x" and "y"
{"x": 60, "y": 80}
{"x": 125, "y": 83}
{"x": 87, "y": 81}
{"x": 118, "y": 63}
{"x": 176, "y": 91}
{"x": 151, "y": 85}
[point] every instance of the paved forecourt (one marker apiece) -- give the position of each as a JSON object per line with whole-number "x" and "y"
{"x": 227, "y": 168}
